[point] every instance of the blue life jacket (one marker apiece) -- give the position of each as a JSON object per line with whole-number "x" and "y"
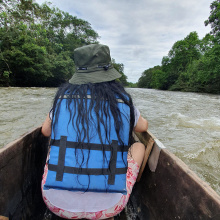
{"x": 79, "y": 166}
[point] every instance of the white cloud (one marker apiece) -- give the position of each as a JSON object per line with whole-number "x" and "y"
{"x": 139, "y": 33}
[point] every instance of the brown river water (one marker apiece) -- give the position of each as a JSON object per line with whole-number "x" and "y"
{"x": 188, "y": 124}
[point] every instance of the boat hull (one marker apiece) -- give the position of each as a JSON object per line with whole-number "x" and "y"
{"x": 172, "y": 192}
{"x": 21, "y": 169}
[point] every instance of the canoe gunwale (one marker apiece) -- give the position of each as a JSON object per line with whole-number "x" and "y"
{"x": 176, "y": 192}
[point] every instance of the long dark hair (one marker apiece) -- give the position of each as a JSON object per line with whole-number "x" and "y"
{"x": 110, "y": 92}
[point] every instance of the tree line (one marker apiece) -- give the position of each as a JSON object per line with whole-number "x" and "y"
{"x": 37, "y": 44}
{"x": 192, "y": 64}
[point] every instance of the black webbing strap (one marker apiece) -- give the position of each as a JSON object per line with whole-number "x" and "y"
{"x": 87, "y": 171}
{"x": 111, "y": 177}
{"x": 61, "y": 160}
{"x": 61, "y": 168}
{"x": 88, "y": 146}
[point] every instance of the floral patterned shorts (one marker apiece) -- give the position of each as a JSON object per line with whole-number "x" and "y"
{"x": 132, "y": 173}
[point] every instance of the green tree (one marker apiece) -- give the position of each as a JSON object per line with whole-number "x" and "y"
{"x": 207, "y": 43}
{"x": 152, "y": 78}
{"x": 120, "y": 68}
{"x": 183, "y": 53}
{"x": 192, "y": 64}
{"x": 159, "y": 79}
{"x": 37, "y": 43}
{"x": 145, "y": 79}
{"x": 204, "y": 75}
{"x": 214, "y": 18}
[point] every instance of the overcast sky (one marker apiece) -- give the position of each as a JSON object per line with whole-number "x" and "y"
{"x": 140, "y": 32}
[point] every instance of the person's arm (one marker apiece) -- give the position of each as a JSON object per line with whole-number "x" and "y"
{"x": 46, "y": 127}
{"x": 142, "y": 125}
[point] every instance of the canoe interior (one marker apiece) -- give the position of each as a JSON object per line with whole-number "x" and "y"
{"x": 172, "y": 192}
{"x": 21, "y": 168}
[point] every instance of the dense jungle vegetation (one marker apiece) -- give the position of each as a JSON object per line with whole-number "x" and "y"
{"x": 192, "y": 64}
{"x": 37, "y": 44}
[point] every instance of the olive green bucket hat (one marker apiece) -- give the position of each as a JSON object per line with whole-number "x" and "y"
{"x": 93, "y": 65}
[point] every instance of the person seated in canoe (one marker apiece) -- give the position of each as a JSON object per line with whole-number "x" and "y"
{"x": 93, "y": 161}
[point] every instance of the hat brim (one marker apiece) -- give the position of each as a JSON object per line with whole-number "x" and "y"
{"x": 95, "y": 77}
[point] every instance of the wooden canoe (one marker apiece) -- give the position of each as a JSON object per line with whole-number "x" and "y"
{"x": 172, "y": 192}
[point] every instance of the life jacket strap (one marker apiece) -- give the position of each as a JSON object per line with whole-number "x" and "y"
{"x": 61, "y": 159}
{"x": 60, "y": 168}
{"x": 87, "y": 171}
{"x": 112, "y": 165}
{"x": 88, "y": 146}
